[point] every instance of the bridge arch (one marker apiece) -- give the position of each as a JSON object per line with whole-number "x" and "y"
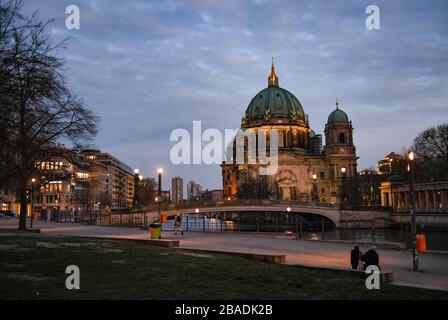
{"x": 331, "y": 213}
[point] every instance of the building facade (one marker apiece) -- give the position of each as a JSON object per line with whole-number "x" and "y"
{"x": 7, "y": 199}
{"x": 429, "y": 197}
{"x": 194, "y": 191}
{"x": 89, "y": 180}
{"x": 306, "y": 170}
{"x": 392, "y": 164}
{"x": 211, "y": 195}
{"x": 177, "y": 190}
{"x": 111, "y": 180}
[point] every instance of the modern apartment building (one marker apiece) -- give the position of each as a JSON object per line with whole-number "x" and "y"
{"x": 88, "y": 180}
{"x": 194, "y": 191}
{"x": 177, "y": 190}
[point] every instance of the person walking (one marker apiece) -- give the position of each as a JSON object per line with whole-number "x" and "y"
{"x": 371, "y": 258}
{"x": 178, "y": 224}
{"x": 355, "y": 258}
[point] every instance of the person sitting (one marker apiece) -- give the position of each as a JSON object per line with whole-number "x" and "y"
{"x": 355, "y": 257}
{"x": 371, "y": 258}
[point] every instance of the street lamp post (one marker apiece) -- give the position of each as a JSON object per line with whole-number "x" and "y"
{"x": 411, "y": 157}
{"x": 315, "y": 190}
{"x": 136, "y": 187}
{"x": 32, "y": 201}
{"x": 159, "y": 193}
{"x": 343, "y": 177}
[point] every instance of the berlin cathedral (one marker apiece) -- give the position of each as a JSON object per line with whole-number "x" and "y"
{"x": 307, "y": 170}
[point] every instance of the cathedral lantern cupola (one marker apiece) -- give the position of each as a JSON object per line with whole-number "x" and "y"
{"x": 273, "y": 78}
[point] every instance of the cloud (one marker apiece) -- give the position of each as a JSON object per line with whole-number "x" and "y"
{"x": 148, "y": 67}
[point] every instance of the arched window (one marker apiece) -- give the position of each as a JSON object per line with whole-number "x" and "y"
{"x": 341, "y": 138}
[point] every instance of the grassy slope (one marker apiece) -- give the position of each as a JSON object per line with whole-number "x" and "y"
{"x": 33, "y": 267}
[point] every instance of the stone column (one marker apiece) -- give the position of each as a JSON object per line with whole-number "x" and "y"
{"x": 443, "y": 198}
{"x": 394, "y": 201}
{"x": 390, "y": 199}
{"x": 420, "y": 200}
{"x": 434, "y": 199}
{"x": 426, "y": 200}
{"x": 406, "y": 200}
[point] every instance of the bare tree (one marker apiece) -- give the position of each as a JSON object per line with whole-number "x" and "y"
{"x": 254, "y": 186}
{"x": 147, "y": 191}
{"x": 431, "y": 147}
{"x": 37, "y": 110}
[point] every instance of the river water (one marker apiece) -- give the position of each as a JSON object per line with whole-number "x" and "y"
{"x": 435, "y": 240}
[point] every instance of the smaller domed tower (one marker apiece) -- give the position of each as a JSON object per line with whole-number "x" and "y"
{"x": 340, "y": 154}
{"x": 339, "y": 133}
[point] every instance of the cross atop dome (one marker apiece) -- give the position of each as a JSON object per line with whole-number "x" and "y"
{"x": 273, "y": 78}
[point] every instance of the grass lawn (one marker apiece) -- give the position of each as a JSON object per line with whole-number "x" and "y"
{"x": 33, "y": 267}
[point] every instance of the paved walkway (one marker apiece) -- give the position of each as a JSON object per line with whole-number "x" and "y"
{"x": 434, "y": 267}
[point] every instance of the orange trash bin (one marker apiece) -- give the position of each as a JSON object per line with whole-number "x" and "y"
{"x": 421, "y": 243}
{"x": 163, "y": 218}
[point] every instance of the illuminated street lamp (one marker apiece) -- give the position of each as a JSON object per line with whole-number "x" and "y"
{"x": 288, "y": 209}
{"x": 411, "y": 157}
{"x": 196, "y": 210}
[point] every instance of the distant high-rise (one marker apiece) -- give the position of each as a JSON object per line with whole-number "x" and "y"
{"x": 194, "y": 190}
{"x": 177, "y": 189}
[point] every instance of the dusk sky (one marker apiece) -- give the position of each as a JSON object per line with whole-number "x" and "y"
{"x": 148, "y": 67}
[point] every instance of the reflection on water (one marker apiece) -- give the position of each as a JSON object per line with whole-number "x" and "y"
{"x": 435, "y": 240}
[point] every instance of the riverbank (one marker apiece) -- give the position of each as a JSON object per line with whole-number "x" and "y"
{"x": 33, "y": 267}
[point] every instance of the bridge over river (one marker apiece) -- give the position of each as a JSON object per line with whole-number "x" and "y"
{"x": 339, "y": 217}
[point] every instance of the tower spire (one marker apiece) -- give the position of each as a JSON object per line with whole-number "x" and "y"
{"x": 273, "y": 78}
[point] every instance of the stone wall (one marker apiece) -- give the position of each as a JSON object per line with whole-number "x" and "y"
{"x": 364, "y": 218}
{"x": 432, "y": 220}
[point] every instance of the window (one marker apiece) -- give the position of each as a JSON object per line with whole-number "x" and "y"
{"x": 322, "y": 175}
{"x": 293, "y": 192}
{"x": 341, "y": 138}
{"x": 280, "y": 139}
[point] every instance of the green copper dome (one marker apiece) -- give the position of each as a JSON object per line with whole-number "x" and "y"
{"x": 337, "y": 115}
{"x": 274, "y": 105}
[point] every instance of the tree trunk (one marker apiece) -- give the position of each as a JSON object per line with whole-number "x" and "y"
{"x": 23, "y": 208}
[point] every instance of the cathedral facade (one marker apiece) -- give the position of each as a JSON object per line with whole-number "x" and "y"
{"x": 307, "y": 171}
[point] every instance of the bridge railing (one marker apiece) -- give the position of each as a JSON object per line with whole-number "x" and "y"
{"x": 238, "y": 203}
